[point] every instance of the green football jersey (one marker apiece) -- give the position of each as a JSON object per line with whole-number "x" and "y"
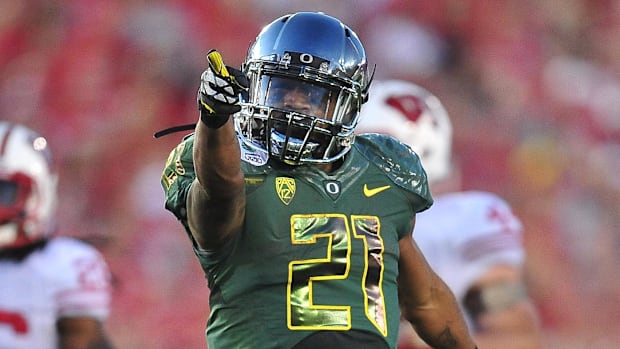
{"x": 318, "y": 252}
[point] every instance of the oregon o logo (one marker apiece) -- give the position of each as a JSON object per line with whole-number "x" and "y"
{"x": 332, "y": 188}
{"x": 306, "y": 58}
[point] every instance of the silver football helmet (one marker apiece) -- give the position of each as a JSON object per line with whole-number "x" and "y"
{"x": 416, "y": 117}
{"x": 28, "y": 183}
{"x": 308, "y": 78}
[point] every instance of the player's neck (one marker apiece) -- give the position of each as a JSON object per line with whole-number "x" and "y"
{"x": 330, "y": 167}
{"x": 325, "y": 167}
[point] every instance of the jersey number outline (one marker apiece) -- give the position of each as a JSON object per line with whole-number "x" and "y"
{"x": 16, "y": 321}
{"x": 302, "y": 313}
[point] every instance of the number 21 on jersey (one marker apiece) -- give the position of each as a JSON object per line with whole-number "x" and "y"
{"x": 335, "y": 264}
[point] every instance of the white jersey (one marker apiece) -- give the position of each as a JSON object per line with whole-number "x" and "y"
{"x": 465, "y": 234}
{"x": 65, "y": 278}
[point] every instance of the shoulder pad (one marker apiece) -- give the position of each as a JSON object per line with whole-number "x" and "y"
{"x": 399, "y": 162}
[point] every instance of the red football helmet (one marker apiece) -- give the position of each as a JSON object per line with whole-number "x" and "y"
{"x": 28, "y": 183}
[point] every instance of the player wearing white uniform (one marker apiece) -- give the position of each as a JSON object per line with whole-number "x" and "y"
{"x": 54, "y": 291}
{"x": 470, "y": 238}
{"x": 491, "y": 237}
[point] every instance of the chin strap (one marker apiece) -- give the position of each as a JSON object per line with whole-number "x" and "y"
{"x": 174, "y": 129}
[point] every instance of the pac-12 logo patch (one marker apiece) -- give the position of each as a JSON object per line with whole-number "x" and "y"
{"x": 285, "y": 187}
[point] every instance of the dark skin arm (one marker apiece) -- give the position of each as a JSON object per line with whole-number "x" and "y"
{"x": 513, "y": 327}
{"x": 427, "y": 302}
{"x": 81, "y": 333}
{"x": 216, "y": 200}
{"x": 516, "y": 326}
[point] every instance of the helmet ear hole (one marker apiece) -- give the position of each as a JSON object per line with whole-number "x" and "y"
{"x": 426, "y": 153}
{"x": 319, "y": 58}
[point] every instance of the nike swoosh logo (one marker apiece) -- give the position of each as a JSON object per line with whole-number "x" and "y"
{"x": 374, "y": 191}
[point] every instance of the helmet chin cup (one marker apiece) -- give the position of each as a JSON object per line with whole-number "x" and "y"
{"x": 8, "y": 233}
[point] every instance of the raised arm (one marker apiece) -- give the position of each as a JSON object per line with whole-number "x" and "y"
{"x": 216, "y": 200}
{"x": 427, "y": 302}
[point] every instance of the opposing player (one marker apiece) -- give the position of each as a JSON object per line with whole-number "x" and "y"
{"x": 54, "y": 291}
{"x": 303, "y": 231}
{"x": 471, "y": 238}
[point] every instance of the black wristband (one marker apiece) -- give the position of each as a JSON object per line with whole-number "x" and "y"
{"x": 213, "y": 121}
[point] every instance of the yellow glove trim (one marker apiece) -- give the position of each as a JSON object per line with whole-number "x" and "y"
{"x": 217, "y": 63}
{"x": 207, "y": 107}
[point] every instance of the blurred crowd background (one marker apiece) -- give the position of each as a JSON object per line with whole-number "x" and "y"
{"x": 533, "y": 87}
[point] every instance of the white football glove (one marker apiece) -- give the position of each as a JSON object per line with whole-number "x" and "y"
{"x": 218, "y": 95}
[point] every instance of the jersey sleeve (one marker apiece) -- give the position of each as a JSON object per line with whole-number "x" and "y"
{"x": 82, "y": 285}
{"x": 177, "y": 178}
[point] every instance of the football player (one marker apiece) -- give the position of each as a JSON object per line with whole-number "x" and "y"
{"x": 304, "y": 231}
{"x": 471, "y": 239}
{"x": 55, "y": 291}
